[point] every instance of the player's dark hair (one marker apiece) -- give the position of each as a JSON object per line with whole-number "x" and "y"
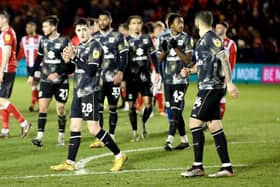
{"x": 205, "y": 16}
{"x": 106, "y": 13}
{"x": 5, "y": 14}
{"x": 133, "y": 17}
{"x": 224, "y": 23}
{"x": 92, "y": 21}
{"x": 172, "y": 17}
{"x": 53, "y": 20}
{"x": 82, "y": 21}
{"x": 167, "y": 17}
{"x": 148, "y": 27}
{"x": 31, "y": 23}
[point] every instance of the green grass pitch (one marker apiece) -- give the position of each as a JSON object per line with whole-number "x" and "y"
{"x": 251, "y": 123}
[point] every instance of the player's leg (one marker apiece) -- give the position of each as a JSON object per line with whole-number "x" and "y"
{"x": 198, "y": 146}
{"x": 172, "y": 128}
{"x": 179, "y": 102}
{"x": 113, "y": 98}
{"x": 223, "y": 107}
{"x": 73, "y": 147}
{"x": 34, "y": 95}
{"x": 46, "y": 92}
{"x": 10, "y": 108}
{"x": 5, "y": 124}
{"x": 100, "y": 95}
{"x": 61, "y": 96}
{"x": 34, "y": 90}
{"x": 139, "y": 102}
{"x": 131, "y": 96}
{"x": 215, "y": 127}
{"x": 147, "y": 94}
{"x": 199, "y": 114}
{"x": 91, "y": 116}
{"x": 183, "y": 136}
{"x": 146, "y": 114}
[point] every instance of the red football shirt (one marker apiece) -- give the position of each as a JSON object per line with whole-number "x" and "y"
{"x": 8, "y": 37}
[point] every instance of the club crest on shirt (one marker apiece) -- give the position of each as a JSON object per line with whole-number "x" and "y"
{"x": 7, "y": 37}
{"x": 217, "y": 42}
{"x": 95, "y": 54}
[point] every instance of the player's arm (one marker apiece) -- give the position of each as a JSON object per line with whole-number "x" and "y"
{"x": 232, "y": 55}
{"x": 37, "y": 64}
{"x": 232, "y": 89}
{"x": 92, "y": 64}
{"x": 193, "y": 69}
{"x": 153, "y": 55}
{"x": 185, "y": 56}
{"x": 162, "y": 50}
{"x": 123, "y": 59}
{"x": 6, "y": 54}
{"x": 20, "y": 54}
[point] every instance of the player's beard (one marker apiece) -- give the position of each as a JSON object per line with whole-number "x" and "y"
{"x": 105, "y": 28}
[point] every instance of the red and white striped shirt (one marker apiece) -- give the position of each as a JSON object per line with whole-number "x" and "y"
{"x": 9, "y": 37}
{"x": 231, "y": 51}
{"x": 29, "y": 49}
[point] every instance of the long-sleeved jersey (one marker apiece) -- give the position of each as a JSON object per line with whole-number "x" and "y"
{"x": 88, "y": 63}
{"x": 139, "y": 57}
{"x": 50, "y": 51}
{"x": 115, "y": 49}
{"x": 173, "y": 64}
{"x": 210, "y": 73}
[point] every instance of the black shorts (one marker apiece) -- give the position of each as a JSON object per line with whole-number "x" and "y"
{"x": 29, "y": 71}
{"x": 59, "y": 91}
{"x": 133, "y": 88}
{"x": 174, "y": 95}
{"x": 85, "y": 107}
{"x": 207, "y": 105}
{"x": 111, "y": 91}
{"x": 7, "y": 85}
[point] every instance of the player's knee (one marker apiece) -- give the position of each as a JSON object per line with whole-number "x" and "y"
{"x": 61, "y": 110}
{"x": 113, "y": 110}
{"x": 94, "y": 127}
{"x": 75, "y": 127}
{"x": 214, "y": 125}
{"x": 176, "y": 115}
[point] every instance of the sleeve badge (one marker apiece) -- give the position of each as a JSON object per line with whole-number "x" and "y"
{"x": 217, "y": 42}
{"x": 95, "y": 54}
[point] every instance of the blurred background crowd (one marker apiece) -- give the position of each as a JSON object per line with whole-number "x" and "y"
{"x": 254, "y": 24}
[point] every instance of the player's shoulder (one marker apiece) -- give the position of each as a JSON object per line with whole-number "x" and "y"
{"x": 117, "y": 34}
{"x": 63, "y": 37}
{"x": 213, "y": 39}
{"x": 165, "y": 35}
{"x": 44, "y": 39}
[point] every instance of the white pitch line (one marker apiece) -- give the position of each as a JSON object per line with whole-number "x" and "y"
{"x": 82, "y": 162}
{"x": 107, "y": 172}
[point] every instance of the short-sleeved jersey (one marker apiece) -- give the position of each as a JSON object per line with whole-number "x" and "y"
{"x": 231, "y": 51}
{"x": 90, "y": 52}
{"x": 209, "y": 67}
{"x": 9, "y": 38}
{"x": 113, "y": 44}
{"x": 51, "y": 50}
{"x": 138, "y": 67}
{"x": 173, "y": 64}
{"x": 29, "y": 49}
